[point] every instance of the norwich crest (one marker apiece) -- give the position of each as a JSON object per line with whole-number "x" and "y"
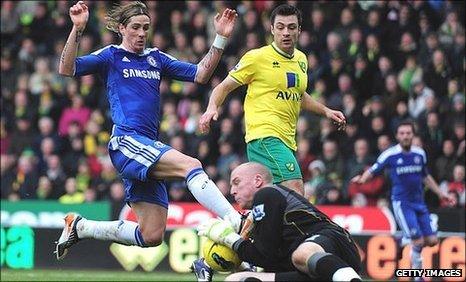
{"x": 290, "y": 166}
{"x": 302, "y": 65}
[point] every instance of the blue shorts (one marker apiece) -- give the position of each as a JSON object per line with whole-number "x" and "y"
{"x": 133, "y": 155}
{"x": 413, "y": 219}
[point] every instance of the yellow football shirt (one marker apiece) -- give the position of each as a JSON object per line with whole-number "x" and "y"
{"x": 276, "y": 82}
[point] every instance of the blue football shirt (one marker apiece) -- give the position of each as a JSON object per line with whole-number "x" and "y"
{"x": 133, "y": 81}
{"x": 407, "y": 172}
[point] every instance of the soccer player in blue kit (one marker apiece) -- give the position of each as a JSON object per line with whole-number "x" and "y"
{"x": 132, "y": 75}
{"x": 408, "y": 173}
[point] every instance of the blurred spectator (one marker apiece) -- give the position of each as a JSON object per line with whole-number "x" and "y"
{"x": 316, "y": 182}
{"x": 445, "y": 162}
{"x": 72, "y": 196}
{"x": 384, "y": 69}
{"x": 26, "y": 176}
{"x": 45, "y": 189}
{"x": 410, "y": 72}
{"x": 383, "y": 143}
{"x": 83, "y": 176}
{"x": 417, "y": 98}
{"x": 373, "y": 50}
{"x": 77, "y": 112}
{"x": 456, "y": 109}
{"x": 304, "y": 157}
{"x": 393, "y": 93}
{"x": 433, "y": 135}
{"x": 401, "y": 114}
{"x": 429, "y": 44}
{"x": 227, "y": 156}
{"x": 73, "y": 156}
{"x": 457, "y": 51}
{"x": 314, "y": 71}
{"x": 363, "y": 76}
{"x": 22, "y": 138}
{"x": 334, "y": 163}
{"x": 7, "y": 168}
{"x": 360, "y": 160}
{"x": 56, "y": 174}
{"x": 457, "y": 184}
{"x": 27, "y": 56}
{"x": 458, "y": 139}
{"x": 41, "y": 76}
{"x": 449, "y": 28}
{"x": 437, "y": 74}
{"x": 407, "y": 47}
{"x": 352, "y": 134}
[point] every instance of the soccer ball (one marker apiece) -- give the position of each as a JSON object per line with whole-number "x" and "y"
{"x": 220, "y": 257}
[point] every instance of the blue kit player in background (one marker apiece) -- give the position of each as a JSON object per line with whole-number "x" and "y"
{"x": 132, "y": 74}
{"x": 409, "y": 173}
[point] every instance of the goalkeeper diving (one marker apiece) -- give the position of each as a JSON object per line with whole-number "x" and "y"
{"x": 290, "y": 238}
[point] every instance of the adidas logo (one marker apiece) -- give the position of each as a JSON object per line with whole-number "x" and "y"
{"x": 125, "y": 59}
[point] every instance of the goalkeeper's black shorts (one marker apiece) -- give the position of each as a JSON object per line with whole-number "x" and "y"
{"x": 337, "y": 243}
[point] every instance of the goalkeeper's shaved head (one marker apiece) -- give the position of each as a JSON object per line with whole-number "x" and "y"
{"x": 246, "y": 180}
{"x": 256, "y": 168}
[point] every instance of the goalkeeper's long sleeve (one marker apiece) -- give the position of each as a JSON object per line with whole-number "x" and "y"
{"x": 265, "y": 251}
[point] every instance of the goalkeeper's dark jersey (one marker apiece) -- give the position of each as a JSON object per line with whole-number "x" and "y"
{"x": 283, "y": 219}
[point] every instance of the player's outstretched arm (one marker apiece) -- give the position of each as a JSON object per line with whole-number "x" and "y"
{"x": 79, "y": 14}
{"x": 430, "y": 182}
{"x": 361, "y": 179}
{"x": 215, "y": 101}
{"x": 224, "y": 25}
{"x": 312, "y": 105}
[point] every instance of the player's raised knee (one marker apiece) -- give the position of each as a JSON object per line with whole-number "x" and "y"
{"x": 300, "y": 256}
{"x": 152, "y": 238}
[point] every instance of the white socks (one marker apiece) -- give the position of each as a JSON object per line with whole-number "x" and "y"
{"x": 120, "y": 231}
{"x": 416, "y": 258}
{"x": 207, "y": 193}
{"x": 345, "y": 274}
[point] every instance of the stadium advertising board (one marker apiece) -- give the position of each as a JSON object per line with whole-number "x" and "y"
{"x": 355, "y": 220}
{"x": 26, "y": 248}
{"x": 49, "y": 214}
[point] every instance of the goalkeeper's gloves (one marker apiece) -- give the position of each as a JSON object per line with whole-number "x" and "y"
{"x": 220, "y": 231}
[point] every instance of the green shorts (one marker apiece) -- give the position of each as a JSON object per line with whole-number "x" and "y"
{"x": 276, "y": 156}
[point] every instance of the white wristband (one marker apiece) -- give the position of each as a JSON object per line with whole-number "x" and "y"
{"x": 220, "y": 42}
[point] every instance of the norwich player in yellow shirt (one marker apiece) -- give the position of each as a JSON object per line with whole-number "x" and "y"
{"x": 276, "y": 76}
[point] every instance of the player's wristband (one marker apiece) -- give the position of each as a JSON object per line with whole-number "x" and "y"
{"x": 220, "y": 41}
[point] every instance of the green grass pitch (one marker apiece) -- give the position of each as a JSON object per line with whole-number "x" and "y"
{"x": 95, "y": 275}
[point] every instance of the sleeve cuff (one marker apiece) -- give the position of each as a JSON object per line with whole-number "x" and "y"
{"x": 236, "y": 244}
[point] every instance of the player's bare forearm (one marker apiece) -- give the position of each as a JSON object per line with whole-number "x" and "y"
{"x": 68, "y": 55}
{"x": 312, "y": 105}
{"x": 208, "y": 64}
{"x": 430, "y": 182}
{"x": 367, "y": 175}
{"x": 220, "y": 92}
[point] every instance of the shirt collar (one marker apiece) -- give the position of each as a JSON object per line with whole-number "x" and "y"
{"x": 281, "y": 52}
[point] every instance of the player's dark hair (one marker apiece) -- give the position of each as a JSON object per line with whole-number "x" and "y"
{"x": 406, "y": 123}
{"x": 121, "y": 14}
{"x": 286, "y": 10}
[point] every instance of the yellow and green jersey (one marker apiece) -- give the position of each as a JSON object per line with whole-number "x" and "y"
{"x": 276, "y": 83}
